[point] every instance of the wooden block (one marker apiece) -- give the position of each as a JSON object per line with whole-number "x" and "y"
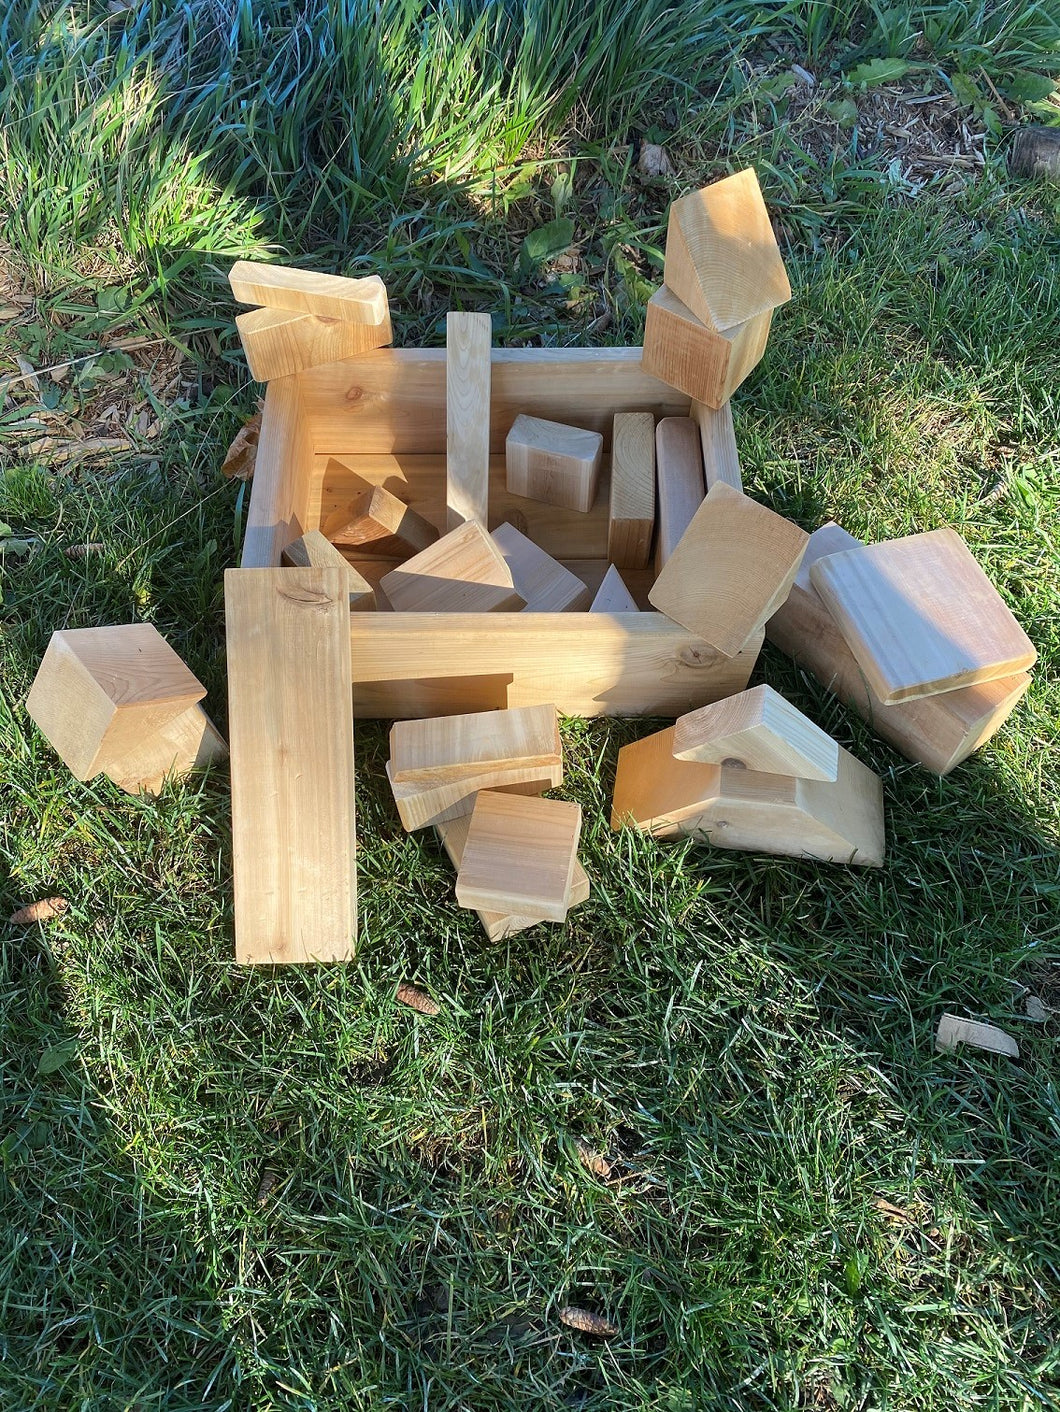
{"x": 544, "y": 583}
{"x": 838, "y": 821}
{"x": 444, "y": 748}
{"x": 757, "y": 730}
{"x": 420, "y": 806}
{"x": 953, "y": 1031}
{"x": 464, "y": 572}
{"x": 291, "y": 733}
{"x": 379, "y": 523}
{"x": 731, "y": 570}
{"x": 721, "y": 460}
{"x": 682, "y": 351}
{"x": 613, "y": 596}
{"x": 279, "y": 342}
{"x": 722, "y": 258}
{"x": 553, "y": 462}
{"x": 313, "y": 551}
{"x": 357, "y": 301}
{"x": 467, "y": 426}
{"x": 188, "y": 742}
{"x": 101, "y": 693}
{"x": 679, "y": 469}
{"x": 519, "y": 856}
{"x": 920, "y": 616}
{"x": 938, "y": 732}
{"x": 631, "y": 518}
{"x": 497, "y": 925}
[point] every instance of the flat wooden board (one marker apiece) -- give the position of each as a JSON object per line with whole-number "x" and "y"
{"x": 467, "y": 382}
{"x": 679, "y": 471}
{"x": 291, "y": 738}
{"x": 731, "y": 570}
{"x": 613, "y": 596}
{"x": 447, "y": 747}
{"x": 359, "y": 301}
{"x": 631, "y": 509}
{"x": 920, "y": 616}
{"x": 420, "y": 805}
{"x": 464, "y": 572}
{"x": 519, "y": 856}
{"x": 279, "y": 342}
{"x": 757, "y": 730}
{"x": 544, "y": 583}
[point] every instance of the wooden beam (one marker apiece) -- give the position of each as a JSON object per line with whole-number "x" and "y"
{"x": 519, "y": 856}
{"x": 553, "y": 462}
{"x": 684, "y": 352}
{"x": 313, "y": 551}
{"x": 679, "y": 470}
{"x": 467, "y": 383}
{"x": 291, "y": 729}
{"x": 757, "y": 730}
{"x": 613, "y": 596}
{"x": 419, "y": 805}
{"x": 631, "y": 517}
{"x": 464, "y": 572}
{"x": 376, "y": 522}
{"x": 448, "y": 747}
{"x": 545, "y": 584}
{"x": 357, "y": 301}
{"x": 283, "y": 475}
{"x": 278, "y": 342}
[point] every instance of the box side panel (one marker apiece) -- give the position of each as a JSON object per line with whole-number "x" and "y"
{"x": 283, "y": 476}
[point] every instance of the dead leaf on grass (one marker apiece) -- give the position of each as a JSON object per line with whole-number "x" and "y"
{"x": 654, "y": 160}
{"x": 41, "y": 911}
{"x": 418, "y": 999}
{"x": 82, "y": 551}
{"x": 953, "y": 1031}
{"x": 238, "y": 463}
{"x": 592, "y": 1160}
{"x": 587, "y": 1322}
{"x": 270, "y": 1178}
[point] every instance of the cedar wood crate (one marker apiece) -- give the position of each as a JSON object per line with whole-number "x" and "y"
{"x": 381, "y": 419}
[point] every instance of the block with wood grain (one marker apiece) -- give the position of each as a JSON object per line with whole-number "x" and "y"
{"x": 679, "y": 471}
{"x": 631, "y": 508}
{"x": 463, "y": 572}
{"x": 101, "y": 694}
{"x": 172, "y": 750}
{"x": 613, "y": 596}
{"x": 553, "y": 462}
{"x": 377, "y": 522}
{"x": 731, "y": 570}
{"x": 433, "y": 751}
{"x": 357, "y": 301}
{"x": 721, "y": 460}
{"x": 279, "y": 342}
{"x": 468, "y": 339}
{"x": 938, "y": 732}
{"x": 541, "y": 580}
{"x": 419, "y": 804}
{"x": 838, "y": 821}
{"x": 312, "y": 551}
{"x": 520, "y": 855}
{"x": 757, "y": 730}
{"x": 696, "y": 359}
{"x": 920, "y": 616}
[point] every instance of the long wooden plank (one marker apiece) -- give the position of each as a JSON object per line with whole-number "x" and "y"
{"x": 467, "y": 381}
{"x": 721, "y": 460}
{"x": 631, "y": 517}
{"x": 291, "y": 742}
{"x": 283, "y": 471}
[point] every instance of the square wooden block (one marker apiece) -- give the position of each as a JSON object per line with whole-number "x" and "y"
{"x": 697, "y": 360}
{"x": 553, "y": 462}
{"x": 100, "y": 693}
{"x": 920, "y": 616}
{"x": 520, "y": 855}
{"x": 464, "y": 572}
{"x": 757, "y": 730}
{"x": 377, "y": 522}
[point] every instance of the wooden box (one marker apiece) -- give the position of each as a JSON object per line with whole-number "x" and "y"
{"x": 379, "y": 419}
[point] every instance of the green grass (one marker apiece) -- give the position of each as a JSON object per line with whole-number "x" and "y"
{"x": 225, "y": 1189}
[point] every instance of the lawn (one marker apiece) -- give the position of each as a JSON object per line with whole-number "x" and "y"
{"x": 223, "y": 1188}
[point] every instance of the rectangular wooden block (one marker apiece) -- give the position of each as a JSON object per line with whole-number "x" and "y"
{"x": 291, "y": 737}
{"x": 683, "y": 351}
{"x": 544, "y": 583}
{"x": 613, "y": 596}
{"x": 721, "y": 461}
{"x": 101, "y": 693}
{"x": 920, "y": 616}
{"x": 520, "y": 855}
{"x": 188, "y": 742}
{"x": 464, "y": 572}
{"x": 553, "y": 462}
{"x": 357, "y": 301}
{"x": 757, "y": 730}
{"x": 938, "y": 732}
{"x": 679, "y": 470}
{"x": 631, "y": 517}
{"x": 731, "y": 570}
{"x": 420, "y": 805}
{"x": 376, "y": 522}
{"x": 467, "y": 382}
{"x": 313, "y": 551}
{"x": 449, "y": 747}
{"x": 497, "y": 925}
{"x": 279, "y": 342}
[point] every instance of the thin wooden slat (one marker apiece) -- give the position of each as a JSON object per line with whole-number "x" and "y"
{"x": 283, "y": 472}
{"x": 278, "y": 342}
{"x": 721, "y": 460}
{"x": 757, "y": 730}
{"x": 631, "y": 510}
{"x": 439, "y": 749}
{"x": 291, "y": 737}
{"x": 519, "y": 856}
{"x": 358, "y": 301}
{"x": 541, "y": 580}
{"x": 679, "y": 472}
{"x": 467, "y": 381}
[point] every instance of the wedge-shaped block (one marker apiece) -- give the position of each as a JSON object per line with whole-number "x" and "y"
{"x": 613, "y": 596}
{"x": 682, "y": 351}
{"x": 419, "y": 806}
{"x": 837, "y": 822}
{"x": 464, "y": 572}
{"x": 290, "y": 718}
{"x": 467, "y": 417}
{"x": 444, "y": 748}
{"x": 313, "y": 551}
{"x": 541, "y": 580}
{"x": 377, "y": 522}
{"x": 679, "y": 465}
{"x": 631, "y": 514}
{"x": 920, "y": 616}
{"x": 497, "y": 925}
{"x": 188, "y": 742}
{"x": 278, "y": 342}
{"x": 519, "y": 856}
{"x": 757, "y": 730}
{"x": 731, "y": 571}
{"x": 553, "y": 462}
{"x": 101, "y": 693}
{"x": 722, "y": 258}
{"x": 358, "y": 301}
{"x": 938, "y": 732}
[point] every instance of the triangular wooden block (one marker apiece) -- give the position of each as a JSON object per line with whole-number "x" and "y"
{"x": 444, "y": 748}
{"x": 722, "y": 258}
{"x": 519, "y": 856}
{"x": 421, "y": 805}
{"x": 357, "y": 301}
{"x": 464, "y": 572}
{"x": 545, "y": 584}
{"x": 278, "y": 342}
{"x": 757, "y": 730}
{"x": 731, "y": 570}
{"x": 313, "y": 551}
{"x": 377, "y": 522}
{"x": 835, "y": 822}
{"x": 613, "y": 596}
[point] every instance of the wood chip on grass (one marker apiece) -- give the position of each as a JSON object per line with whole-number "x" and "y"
{"x": 953, "y": 1031}
{"x": 586, "y": 1322}
{"x": 41, "y": 911}
{"x": 418, "y": 999}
